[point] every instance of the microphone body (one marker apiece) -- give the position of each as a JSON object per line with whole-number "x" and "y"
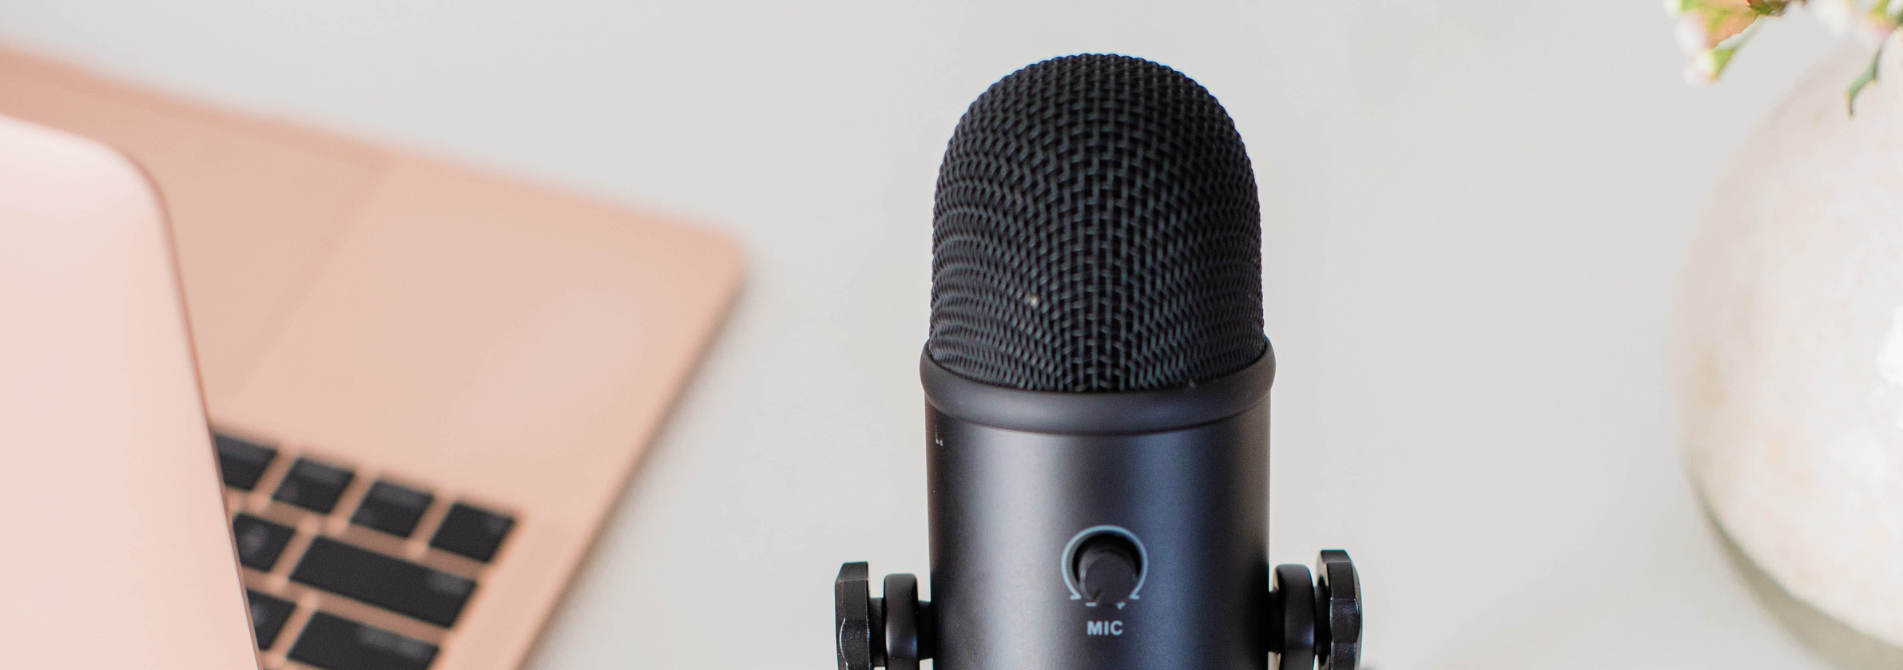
{"x": 1014, "y": 505}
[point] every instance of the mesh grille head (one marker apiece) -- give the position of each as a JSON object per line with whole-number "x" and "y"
{"x": 1096, "y": 229}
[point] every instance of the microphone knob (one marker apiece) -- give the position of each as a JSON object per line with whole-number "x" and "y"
{"x": 1107, "y": 569}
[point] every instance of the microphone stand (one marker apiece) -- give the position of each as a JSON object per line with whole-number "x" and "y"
{"x": 1309, "y": 622}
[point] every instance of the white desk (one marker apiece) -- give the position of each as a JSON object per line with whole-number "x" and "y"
{"x": 1474, "y": 214}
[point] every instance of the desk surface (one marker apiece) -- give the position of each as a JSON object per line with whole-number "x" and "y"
{"x": 1475, "y": 214}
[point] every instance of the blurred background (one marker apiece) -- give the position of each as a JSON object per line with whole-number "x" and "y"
{"x": 1475, "y": 215}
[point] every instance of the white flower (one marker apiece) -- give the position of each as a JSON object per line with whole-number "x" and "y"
{"x": 1693, "y": 33}
{"x": 1874, "y": 27}
{"x": 1834, "y": 14}
{"x": 1703, "y": 69}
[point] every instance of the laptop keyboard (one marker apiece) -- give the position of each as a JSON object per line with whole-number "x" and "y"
{"x": 348, "y": 570}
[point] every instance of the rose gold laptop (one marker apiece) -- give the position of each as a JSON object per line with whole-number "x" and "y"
{"x": 117, "y": 554}
{"x": 429, "y": 384}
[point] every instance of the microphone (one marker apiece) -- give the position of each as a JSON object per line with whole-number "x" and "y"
{"x": 1097, "y": 379}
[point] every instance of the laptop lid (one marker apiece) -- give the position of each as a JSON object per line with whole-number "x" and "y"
{"x": 117, "y": 551}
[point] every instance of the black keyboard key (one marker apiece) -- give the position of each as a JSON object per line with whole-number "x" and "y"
{"x": 472, "y": 531}
{"x": 313, "y": 486}
{"x": 242, "y": 461}
{"x": 390, "y": 583}
{"x": 259, "y": 541}
{"x": 391, "y": 508}
{"x": 268, "y": 615}
{"x": 335, "y": 643}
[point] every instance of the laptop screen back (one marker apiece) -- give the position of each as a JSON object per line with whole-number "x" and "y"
{"x": 117, "y": 554}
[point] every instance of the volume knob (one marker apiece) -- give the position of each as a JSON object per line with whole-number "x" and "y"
{"x": 1107, "y": 569}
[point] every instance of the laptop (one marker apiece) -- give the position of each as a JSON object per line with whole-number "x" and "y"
{"x": 429, "y": 385}
{"x": 117, "y": 554}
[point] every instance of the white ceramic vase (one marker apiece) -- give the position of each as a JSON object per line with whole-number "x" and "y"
{"x": 1790, "y": 360}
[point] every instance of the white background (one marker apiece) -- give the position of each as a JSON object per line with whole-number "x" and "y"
{"x": 1474, "y": 212}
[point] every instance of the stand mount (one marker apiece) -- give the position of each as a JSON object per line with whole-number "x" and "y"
{"x": 1308, "y": 623}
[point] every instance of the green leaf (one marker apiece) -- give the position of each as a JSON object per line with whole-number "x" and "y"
{"x": 1717, "y": 59}
{"x": 1868, "y": 77}
{"x": 1769, "y": 7}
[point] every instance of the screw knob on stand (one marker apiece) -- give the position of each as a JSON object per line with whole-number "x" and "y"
{"x": 1338, "y": 611}
{"x": 892, "y": 632}
{"x": 856, "y": 617}
{"x": 1316, "y": 622}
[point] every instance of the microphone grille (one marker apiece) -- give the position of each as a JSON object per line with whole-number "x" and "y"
{"x": 1096, "y": 229}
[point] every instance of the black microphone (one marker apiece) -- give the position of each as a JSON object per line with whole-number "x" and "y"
{"x": 1097, "y": 383}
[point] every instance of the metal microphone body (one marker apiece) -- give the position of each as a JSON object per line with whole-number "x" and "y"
{"x": 1021, "y": 483}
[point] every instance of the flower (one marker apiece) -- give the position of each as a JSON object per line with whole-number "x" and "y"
{"x": 1704, "y": 24}
{"x": 1711, "y": 31}
{"x": 1704, "y": 67}
{"x": 1876, "y": 24}
{"x": 1834, "y": 14}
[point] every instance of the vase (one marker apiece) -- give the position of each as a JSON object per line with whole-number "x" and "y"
{"x": 1790, "y": 363}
